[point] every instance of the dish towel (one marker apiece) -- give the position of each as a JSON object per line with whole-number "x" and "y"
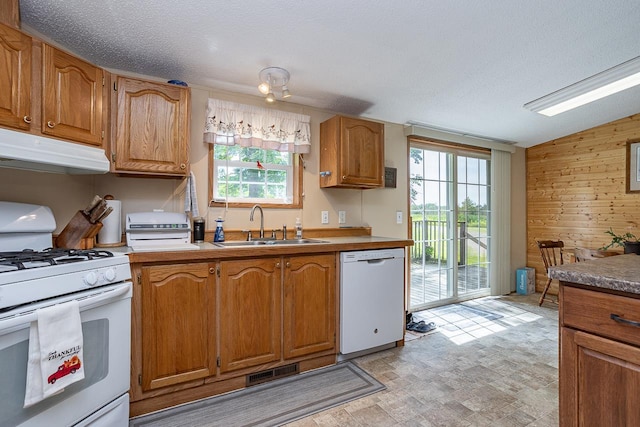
{"x": 190, "y": 196}
{"x": 55, "y": 351}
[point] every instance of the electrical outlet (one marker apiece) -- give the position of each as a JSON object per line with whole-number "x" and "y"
{"x": 325, "y": 217}
{"x": 398, "y": 217}
{"x": 342, "y": 217}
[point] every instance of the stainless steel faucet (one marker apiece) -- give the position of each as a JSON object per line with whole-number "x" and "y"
{"x": 253, "y": 209}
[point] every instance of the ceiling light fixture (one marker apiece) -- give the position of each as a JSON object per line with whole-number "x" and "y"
{"x": 608, "y": 82}
{"x": 274, "y": 78}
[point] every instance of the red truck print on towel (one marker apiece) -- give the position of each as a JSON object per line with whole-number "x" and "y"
{"x": 68, "y": 367}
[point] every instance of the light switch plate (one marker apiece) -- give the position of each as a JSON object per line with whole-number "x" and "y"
{"x": 342, "y": 217}
{"x": 398, "y": 217}
{"x": 325, "y": 217}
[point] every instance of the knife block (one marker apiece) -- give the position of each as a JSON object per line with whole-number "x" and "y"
{"x": 79, "y": 233}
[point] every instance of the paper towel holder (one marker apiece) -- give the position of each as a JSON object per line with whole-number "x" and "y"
{"x": 117, "y": 217}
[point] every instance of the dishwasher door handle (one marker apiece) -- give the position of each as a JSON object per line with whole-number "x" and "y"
{"x": 375, "y": 261}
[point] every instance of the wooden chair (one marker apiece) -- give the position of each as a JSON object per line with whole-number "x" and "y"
{"x": 551, "y": 251}
{"x": 585, "y": 254}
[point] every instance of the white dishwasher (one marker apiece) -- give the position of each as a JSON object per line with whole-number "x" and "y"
{"x": 371, "y": 298}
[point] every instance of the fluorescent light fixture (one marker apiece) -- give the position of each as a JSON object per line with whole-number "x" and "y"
{"x": 613, "y": 80}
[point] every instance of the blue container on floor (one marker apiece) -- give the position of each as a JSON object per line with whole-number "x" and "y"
{"x": 526, "y": 280}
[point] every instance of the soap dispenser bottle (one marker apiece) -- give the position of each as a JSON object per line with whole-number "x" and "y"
{"x": 219, "y": 234}
{"x": 298, "y": 229}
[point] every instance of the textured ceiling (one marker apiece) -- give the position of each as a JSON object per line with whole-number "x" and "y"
{"x": 457, "y": 65}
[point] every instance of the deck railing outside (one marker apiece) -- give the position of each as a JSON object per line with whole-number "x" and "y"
{"x": 426, "y": 236}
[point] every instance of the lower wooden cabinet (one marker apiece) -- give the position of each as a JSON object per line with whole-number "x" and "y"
{"x": 199, "y": 328}
{"x": 309, "y": 305}
{"x": 178, "y": 324}
{"x": 599, "y": 365}
{"x": 601, "y": 381}
{"x": 250, "y": 312}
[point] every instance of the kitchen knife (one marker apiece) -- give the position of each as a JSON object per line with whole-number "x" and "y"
{"x": 93, "y": 204}
{"x": 105, "y": 214}
{"x": 97, "y": 211}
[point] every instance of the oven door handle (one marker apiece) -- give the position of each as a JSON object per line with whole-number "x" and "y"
{"x": 85, "y": 302}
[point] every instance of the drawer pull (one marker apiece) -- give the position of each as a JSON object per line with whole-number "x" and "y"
{"x": 624, "y": 321}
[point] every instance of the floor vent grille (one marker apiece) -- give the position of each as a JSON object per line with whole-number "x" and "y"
{"x": 272, "y": 374}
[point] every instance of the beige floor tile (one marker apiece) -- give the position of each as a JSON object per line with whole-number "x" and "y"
{"x": 497, "y": 368}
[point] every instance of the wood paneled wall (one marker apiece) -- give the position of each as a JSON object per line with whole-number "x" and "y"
{"x": 576, "y": 190}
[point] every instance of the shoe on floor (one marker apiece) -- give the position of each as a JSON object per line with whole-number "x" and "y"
{"x": 421, "y": 326}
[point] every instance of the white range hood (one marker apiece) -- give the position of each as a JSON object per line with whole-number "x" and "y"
{"x": 20, "y": 150}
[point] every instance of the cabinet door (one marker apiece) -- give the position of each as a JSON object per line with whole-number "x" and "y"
{"x": 72, "y": 95}
{"x": 362, "y": 153}
{"x": 178, "y": 324}
{"x": 309, "y": 304}
{"x": 250, "y": 318}
{"x": 599, "y": 381}
{"x": 152, "y": 129}
{"x": 15, "y": 78}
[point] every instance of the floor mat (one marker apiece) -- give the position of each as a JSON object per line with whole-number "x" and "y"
{"x": 271, "y": 404}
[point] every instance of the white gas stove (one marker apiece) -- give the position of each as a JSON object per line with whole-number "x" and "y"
{"x": 36, "y": 272}
{"x": 33, "y": 275}
{"x": 28, "y": 276}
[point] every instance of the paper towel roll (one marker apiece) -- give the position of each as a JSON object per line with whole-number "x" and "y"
{"x": 111, "y": 232}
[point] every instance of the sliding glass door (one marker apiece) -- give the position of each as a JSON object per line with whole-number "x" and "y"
{"x": 450, "y": 216}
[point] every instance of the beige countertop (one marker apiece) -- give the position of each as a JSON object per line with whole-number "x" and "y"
{"x": 618, "y": 273}
{"x": 211, "y": 251}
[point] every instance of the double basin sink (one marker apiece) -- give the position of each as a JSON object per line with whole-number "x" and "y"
{"x": 267, "y": 242}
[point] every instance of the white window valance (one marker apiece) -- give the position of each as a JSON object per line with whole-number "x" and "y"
{"x": 229, "y": 123}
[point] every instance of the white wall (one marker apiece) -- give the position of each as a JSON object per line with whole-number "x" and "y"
{"x": 66, "y": 194}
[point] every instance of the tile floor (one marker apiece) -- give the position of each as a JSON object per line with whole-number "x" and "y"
{"x": 490, "y": 362}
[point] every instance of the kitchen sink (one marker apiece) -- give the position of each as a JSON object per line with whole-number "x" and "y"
{"x": 267, "y": 242}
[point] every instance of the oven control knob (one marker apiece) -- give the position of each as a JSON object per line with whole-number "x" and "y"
{"x": 91, "y": 278}
{"x": 110, "y": 274}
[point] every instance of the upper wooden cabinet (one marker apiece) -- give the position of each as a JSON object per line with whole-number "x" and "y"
{"x": 151, "y": 128}
{"x": 72, "y": 93}
{"x": 44, "y": 90}
{"x": 351, "y": 153}
{"x": 10, "y": 13}
{"x": 15, "y": 78}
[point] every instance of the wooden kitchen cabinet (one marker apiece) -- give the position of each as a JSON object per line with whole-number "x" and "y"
{"x": 46, "y": 91}
{"x": 599, "y": 359}
{"x": 177, "y": 320}
{"x": 207, "y": 327}
{"x": 72, "y": 97}
{"x": 15, "y": 79}
{"x": 250, "y": 312}
{"x": 351, "y": 153}
{"x": 309, "y": 304}
{"x": 151, "y": 128}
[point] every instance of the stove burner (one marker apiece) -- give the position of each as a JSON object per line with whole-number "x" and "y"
{"x": 29, "y": 258}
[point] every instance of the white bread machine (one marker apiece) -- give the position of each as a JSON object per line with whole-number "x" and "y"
{"x": 158, "y": 231}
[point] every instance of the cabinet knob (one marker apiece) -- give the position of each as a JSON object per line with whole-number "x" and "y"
{"x": 183, "y": 166}
{"x": 51, "y": 124}
{"x": 212, "y": 270}
{"x": 288, "y": 264}
{"x": 27, "y": 119}
{"x": 344, "y": 176}
{"x": 277, "y": 265}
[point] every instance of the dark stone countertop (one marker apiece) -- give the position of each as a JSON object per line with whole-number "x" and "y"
{"x": 619, "y": 273}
